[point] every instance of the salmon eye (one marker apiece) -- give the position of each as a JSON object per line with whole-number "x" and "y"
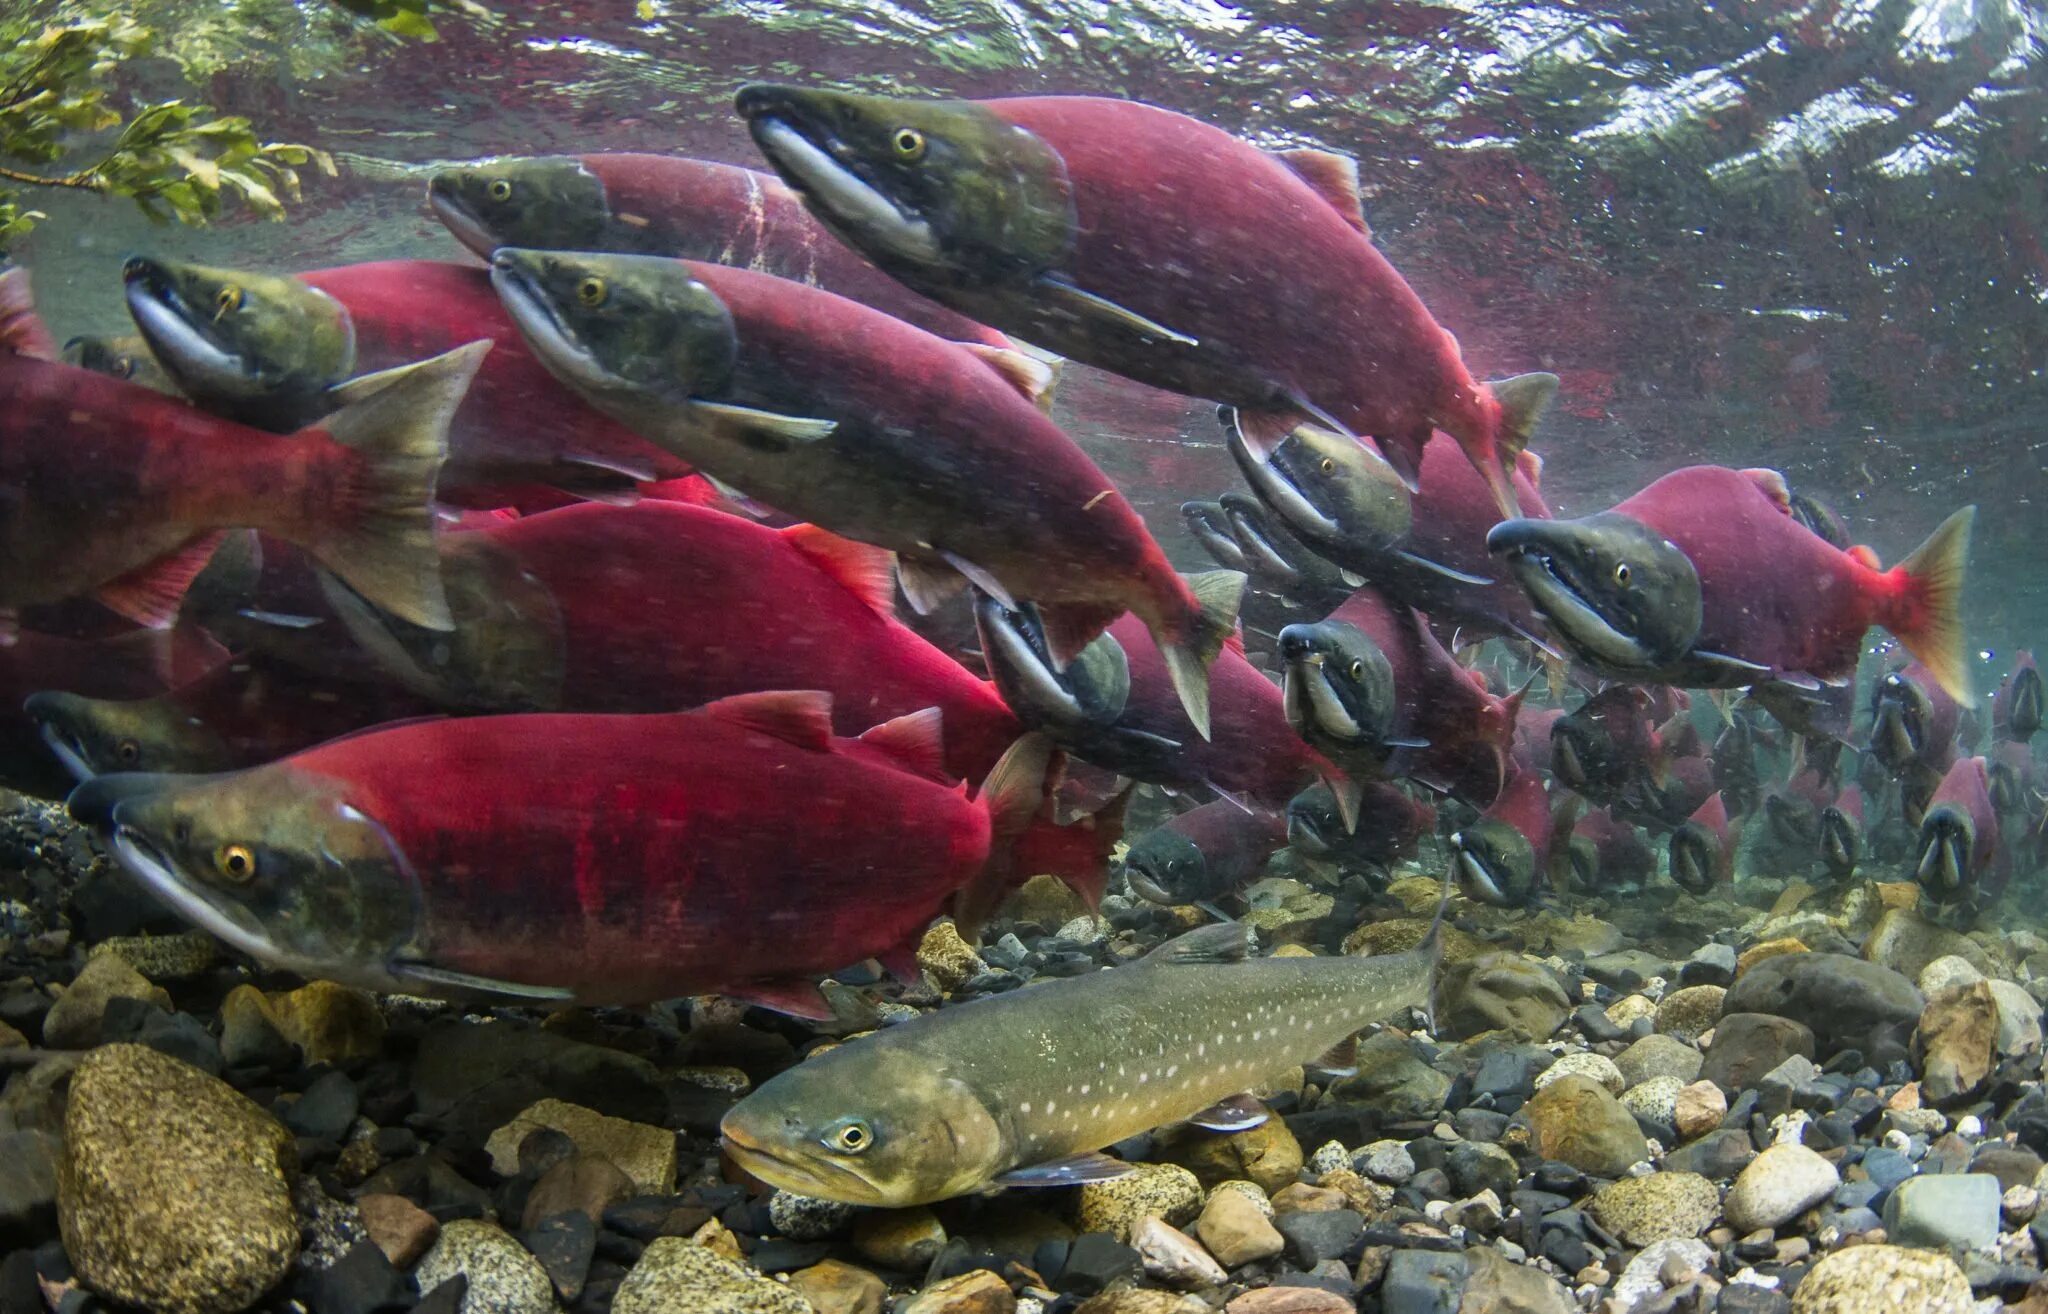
{"x": 227, "y": 300}
{"x": 851, "y": 1137}
{"x": 1622, "y": 574}
{"x": 128, "y": 751}
{"x": 591, "y": 292}
{"x": 1357, "y": 668}
{"x": 501, "y": 189}
{"x": 235, "y": 862}
{"x": 1329, "y": 465}
{"x": 909, "y": 144}
{"x": 124, "y": 367}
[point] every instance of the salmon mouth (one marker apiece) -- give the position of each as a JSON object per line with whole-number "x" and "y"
{"x": 182, "y": 339}
{"x": 1946, "y": 839}
{"x": 832, "y": 177}
{"x": 1209, "y": 523}
{"x": 460, "y": 221}
{"x": 1566, "y": 598}
{"x": 47, "y": 710}
{"x": 1693, "y": 858}
{"x": 540, "y": 322}
{"x": 224, "y": 919}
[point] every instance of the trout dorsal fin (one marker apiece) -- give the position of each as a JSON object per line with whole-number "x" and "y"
{"x": 1333, "y": 177}
{"x": 802, "y": 717}
{"x": 1033, "y": 378}
{"x": 868, "y": 572}
{"x": 1221, "y": 942}
{"x": 915, "y": 740}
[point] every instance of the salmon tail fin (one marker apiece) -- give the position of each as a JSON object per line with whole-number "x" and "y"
{"x": 1012, "y": 796}
{"x": 1200, "y": 636}
{"x": 1930, "y": 621}
{"x": 1519, "y": 403}
{"x": 1077, "y": 853}
{"x": 22, "y": 330}
{"x": 381, "y": 539}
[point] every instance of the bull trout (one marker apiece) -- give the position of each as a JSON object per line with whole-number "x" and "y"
{"x": 1023, "y": 1089}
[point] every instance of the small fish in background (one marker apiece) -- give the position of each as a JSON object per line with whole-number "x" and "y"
{"x": 1962, "y": 854}
{"x": 2010, "y": 765}
{"x": 1841, "y": 835}
{"x": 1703, "y": 849}
{"x": 125, "y": 356}
{"x": 1607, "y": 749}
{"x": 271, "y": 350}
{"x": 1025, "y": 1088}
{"x": 123, "y": 493}
{"x": 671, "y": 205}
{"x": 2016, "y": 707}
{"x": 1390, "y": 824}
{"x": 1604, "y": 853}
{"x": 1204, "y": 854}
{"x": 1041, "y": 216}
{"x": 1504, "y": 857}
{"x": 1914, "y": 723}
{"x": 868, "y": 427}
{"x": 554, "y": 858}
{"x": 1705, "y": 580}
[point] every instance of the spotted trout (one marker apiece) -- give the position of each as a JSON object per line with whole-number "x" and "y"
{"x": 1024, "y": 1089}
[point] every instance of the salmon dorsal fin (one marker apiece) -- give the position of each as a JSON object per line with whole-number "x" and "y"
{"x": 1223, "y": 942}
{"x": 1865, "y": 556}
{"x": 915, "y": 739}
{"x": 1333, "y": 177}
{"x": 150, "y": 594}
{"x": 799, "y": 716}
{"x": 1772, "y": 485}
{"x": 22, "y": 330}
{"x": 868, "y": 572}
{"x": 1035, "y": 379}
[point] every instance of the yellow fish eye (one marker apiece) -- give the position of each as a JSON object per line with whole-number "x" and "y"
{"x": 851, "y": 1138}
{"x": 1329, "y": 465}
{"x": 501, "y": 189}
{"x": 1622, "y": 574}
{"x": 227, "y": 300}
{"x": 124, "y": 367}
{"x": 1357, "y": 669}
{"x": 591, "y": 291}
{"x": 235, "y": 862}
{"x": 909, "y": 143}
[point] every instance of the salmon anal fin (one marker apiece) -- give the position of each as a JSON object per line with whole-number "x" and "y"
{"x": 793, "y": 998}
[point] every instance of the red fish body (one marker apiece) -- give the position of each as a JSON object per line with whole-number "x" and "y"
{"x": 1204, "y": 853}
{"x": 1962, "y": 853}
{"x": 1452, "y": 512}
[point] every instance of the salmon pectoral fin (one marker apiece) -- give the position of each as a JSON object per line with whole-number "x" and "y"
{"x": 928, "y": 584}
{"x": 792, "y": 998}
{"x": 765, "y": 431}
{"x": 1927, "y": 616}
{"x": 446, "y": 981}
{"x": 1072, "y": 1170}
{"x": 1089, "y": 308}
{"x": 1232, "y": 1113}
{"x": 150, "y": 595}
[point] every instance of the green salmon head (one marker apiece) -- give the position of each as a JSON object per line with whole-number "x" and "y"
{"x": 936, "y": 192}
{"x": 867, "y": 1124}
{"x": 1696, "y": 857}
{"x": 1339, "y": 688}
{"x": 261, "y": 348}
{"x": 95, "y": 735}
{"x": 618, "y": 325}
{"x": 1166, "y": 867}
{"x": 1948, "y": 838}
{"x": 273, "y": 860}
{"x": 1314, "y": 825}
{"x": 1328, "y": 488}
{"x": 1582, "y": 862}
{"x": 1091, "y": 691}
{"x": 549, "y": 202}
{"x": 1496, "y": 864}
{"x": 1271, "y": 551}
{"x": 1615, "y": 590}
{"x": 125, "y": 356}
{"x": 1841, "y": 843}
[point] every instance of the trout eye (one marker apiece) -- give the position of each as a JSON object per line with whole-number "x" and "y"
{"x": 227, "y": 301}
{"x": 909, "y": 144}
{"x": 850, "y": 1137}
{"x": 500, "y": 190}
{"x": 1622, "y": 573}
{"x": 591, "y": 292}
{"x": 235, "y": 862}
{"x": 128, "y": 752}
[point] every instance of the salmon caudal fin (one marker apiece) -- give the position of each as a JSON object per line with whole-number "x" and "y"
{"x": 1012, "y": 796}
{"x": 380, "y": 539}
{"x": 1927, "y": 615}
{"x": 1076, "y": 854}
{"x": 1520, "y": 402}
{"x": 1201, "y": 634}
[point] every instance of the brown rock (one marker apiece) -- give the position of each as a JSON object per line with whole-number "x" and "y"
{"x": 1756, "y": 953}
{"x": 1501, "y": 992}
{"x": 1494, "y": 1285}
{"x": 1956, "y": 1042}
{"x": 1289, "y": 1300}
{"x": 646, "y": 1154}
{"x": 947, "y": 960}
{"x": 1301, "y": 1198}
{"x": 11, "y": 1039}
{"x": 1403, "y": 934}
{"x": 401, "y": 1229}
{"x": 836, "y": 1288}
{"x": 1046, "y": 902}
{"x": 1174, "y": 1258}
{"x": 906, "y": 1240}
{"x": 1267, "y": 1154}
{"x": 586, "y": 1183}
{"x": 1576, "y": 1121}
{"x": 1699, "y": 1110}
{"x": 1141, "y": 1300}
{"x": 978, "y": 1292}
{"x": 1367, "y": 1197}
{"x": 1236, "y": 1231}
{"x": 1795, "y": 893}
{"x": 719, "y": 1240}
{"x": 73, "y": 1022}
{"x": 330, "y": 1023}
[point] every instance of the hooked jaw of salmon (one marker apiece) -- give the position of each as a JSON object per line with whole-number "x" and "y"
{"x": 1167, "y": 868}
{"x": 278, "y": 866}
{"x": 1210, "y": 525}
{"x": 265, "y": 347}
{"x": 1312, "y": 821}
{"x": 1621, "y": 595}
{"x": 611, "y": 325}
{"x": 94, "y": 735}
{"x": 1496, "y": 864}
{"x": 1900, "y": 712}
{"x": 1339, "y": 688}
{"x": 549, "y": 201}
{"x": 1091, "y": 691}
{"x": 1947, "y": 840}
{"x": 1327, "y": 487}
{"x": 1841, "y": 843}
{"x": 1695, "y": 857}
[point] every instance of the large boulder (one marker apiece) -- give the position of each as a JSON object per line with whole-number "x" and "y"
{"x": 1846, "y": 1002}
{"x": 1576, "y": 1121}
{"x": 1501, "y": 992}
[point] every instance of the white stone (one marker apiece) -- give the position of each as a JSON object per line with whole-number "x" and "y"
{"x": 1777, "y": 1186}
{"x": 1945, "y": 971}
{"x": 1643, "y": 1278}
{"x": 1174, "y": 1258}
{"x": 2019, "y": 1019}
{"x": 1584, "y": 1063}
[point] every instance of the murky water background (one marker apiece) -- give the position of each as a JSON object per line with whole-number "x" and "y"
{"x": 1808, "y": 235}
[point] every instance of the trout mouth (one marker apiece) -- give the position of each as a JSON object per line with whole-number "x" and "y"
{"x": 832, "y": 178}
{"x": 807, "y": 1175}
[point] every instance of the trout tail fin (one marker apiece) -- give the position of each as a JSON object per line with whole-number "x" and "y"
{"x": 1928, "y": 614}
{"x": 1193, "y": 644}
{"x": 378, "y": 536}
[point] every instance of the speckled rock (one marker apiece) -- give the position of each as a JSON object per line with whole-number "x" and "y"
{"x": 1863, "y": 1279}
{"x": 675, "y": 1277}
{"x": 503, "y": 1277}
{"x": 1584, "y": 1063}
{"x": 1236, "y": 1231}
{"x": 1777, "y": 1186}
{"x": 329, "y": 1023}
{"x": 1659, "y": 1207}
{"x": 1689, "y": 1013}
{"x": 808, "y": 1218}
{"x": 1155, "y": 1190}
{"x": 1404, "y": 933}
{"x": 163, "y": 957}
{"x": 1624, "y": 1011}
{"x": 976, "y": 1292}
{"x": 1267, "y": 1154}
{"x": 1576, "y": 1121}
{"x": 645, "y": 1154}
{"x": 906, "y": 1240}
{"x": 946, "y": 959}
{"x": 1249, "y": 1190}
{"x": 73, "y": 1022}
{"x": 1501, "y": 992}
{"x": 1956, "y": 1042}
{"x": 1655, "y": 1099}
{"x": 835, "y": 1288}
{"x": 1658, "y": 1056}
{"x": 173, "y": 1191}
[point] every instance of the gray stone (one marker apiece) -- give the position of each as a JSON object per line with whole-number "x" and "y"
{"x": 1497, "y": 1285}
{"x": 1846, "y": 1002}
{"x": 1779, "y": 1184}
{"x": 1394, "y": 1080}
{"x": 1748, "y": 1045}
{"x": 1944, "y": 1209}
{"x": 502, "y": 1277}
{"x": 1424, "y": 1282}
{"x": 1659, "y": 1056}
{"x": 1710, "y": 964}
{"x": 73, "y": 1022}
{"x": 675, "y": 1276}
{"x": 1718, "y": 1155}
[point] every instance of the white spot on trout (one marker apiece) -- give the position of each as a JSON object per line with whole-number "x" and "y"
{"x": 1025, "y": 1107}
